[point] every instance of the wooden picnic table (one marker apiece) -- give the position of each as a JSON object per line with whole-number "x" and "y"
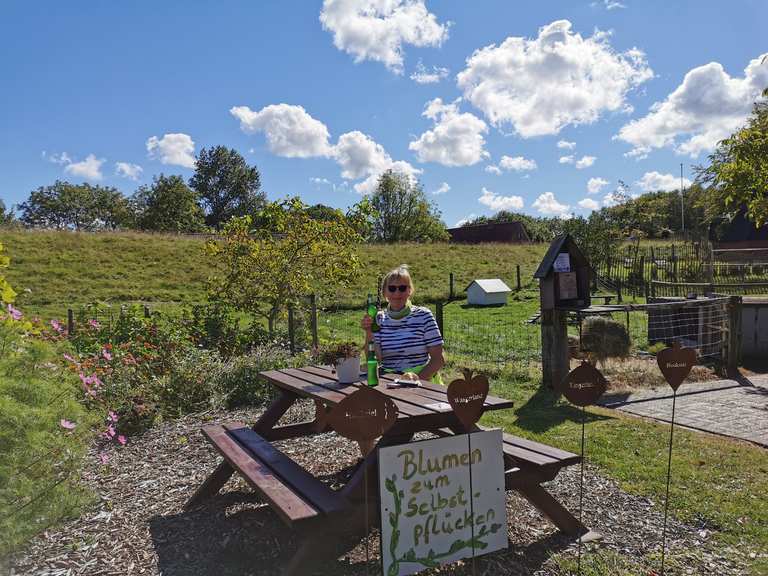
{"x": 322, "y": 515}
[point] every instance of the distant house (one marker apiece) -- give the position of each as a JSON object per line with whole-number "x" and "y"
{"x": 487, "y": 292}
{"x": 510, "y": 232}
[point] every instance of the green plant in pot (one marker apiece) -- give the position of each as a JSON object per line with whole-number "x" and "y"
{"x": 344, "y": 357}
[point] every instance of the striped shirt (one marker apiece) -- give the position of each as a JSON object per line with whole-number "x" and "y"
{"x": 403, "y": 343}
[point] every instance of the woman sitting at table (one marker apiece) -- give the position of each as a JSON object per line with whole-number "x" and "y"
{"x": 408, "y": 339}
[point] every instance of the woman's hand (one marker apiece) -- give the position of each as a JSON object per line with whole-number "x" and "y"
{"x": 366, "y": 323}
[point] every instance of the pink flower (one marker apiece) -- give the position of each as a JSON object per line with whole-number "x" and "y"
{"x": 106, "y": 354}
{"x": 112, "y": 416}
{"x": 94, "y": 323}
{"x": 69, "y": 358}
{"x": 66, "y": 424}
{"x": 15, "y": 314}
{"x": 110, "y": 432}
{"x": 103, "y": 457}
{"x": 56, "y": 325}
{"x": 121, "y": 439}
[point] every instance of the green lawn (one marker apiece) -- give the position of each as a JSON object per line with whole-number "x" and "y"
{"x": 718, "y": 482}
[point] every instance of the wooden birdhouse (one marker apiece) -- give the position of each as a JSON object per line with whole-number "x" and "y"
{"x": 564, "y": 276}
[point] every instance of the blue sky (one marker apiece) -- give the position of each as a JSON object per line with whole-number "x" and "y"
{"x": 540, "y": 107}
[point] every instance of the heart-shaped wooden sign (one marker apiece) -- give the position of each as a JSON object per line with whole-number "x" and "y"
{"x": 584, "y": 385}
{"x": 363, "y": 416}
{"x": 467, "y": 396}
{"x": 676, "y": 363}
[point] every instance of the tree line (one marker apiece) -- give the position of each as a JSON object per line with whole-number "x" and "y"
{"x": 222, "y": 187}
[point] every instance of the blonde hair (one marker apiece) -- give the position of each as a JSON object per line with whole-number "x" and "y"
{"x": 399, "y": 273}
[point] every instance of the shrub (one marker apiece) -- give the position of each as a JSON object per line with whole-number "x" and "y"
{"x": 239, "y": 382}
{"x": 603, "y": 338}
{"x": 44, "y": 432}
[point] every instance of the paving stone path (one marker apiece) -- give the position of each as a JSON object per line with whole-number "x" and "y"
{"x": 726, "y": 407}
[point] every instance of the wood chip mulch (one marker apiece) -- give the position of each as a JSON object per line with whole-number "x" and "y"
{"x": 138, "y": 525}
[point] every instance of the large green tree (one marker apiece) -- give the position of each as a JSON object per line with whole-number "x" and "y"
{"x": 227, "y": 185}
{"x": 75, "y": 206}
{"x": 402, "y": 212}
{"x": 288, "y": 256}
{"x": 168, "y": 205}
{"x": 738, "y": 168}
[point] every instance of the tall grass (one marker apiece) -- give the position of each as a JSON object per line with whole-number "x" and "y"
{"x": 54, "y": 271}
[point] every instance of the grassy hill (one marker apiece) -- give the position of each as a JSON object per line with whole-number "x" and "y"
{"x": 53, "y": 271}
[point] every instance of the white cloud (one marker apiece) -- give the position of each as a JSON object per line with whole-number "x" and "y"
{"x": 654, "y": 181}
{"x": 589, "y": 204}
{"x": 566, "y": 159}
{"x": 174, "y": 149}
{"x": 456, "y": 139}
{"x": 596, "y": 184}
{"x": 128, "y": 170}
{"x": 609, "y": 4}
{"x": 423, "y": 76}
{"x": 497, "y": 202}
{"x": 708, "y": 106}
{"x": 444, "y": 187}
{"x": 378, "y": 29}
{"x": 585, "y": 162}
{"x": 60, "y": 159}
{"x": 548, "y": 205}
{"x": 564, "y": 144}
{"x": 465, "y": 220}
{"x": 289, "y": 130}
{"x": 611, "y": 199}
{"x": 293, "y": 133}
{"x": 88, "y": 169}
{"x": 493, "y": 169}
{"x": 560, "y": 78}
{"x": 517, "y": 163}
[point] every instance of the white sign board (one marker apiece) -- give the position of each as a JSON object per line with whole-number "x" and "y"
{"x": 563, "y": 262}
{"x": 441, "y": 500}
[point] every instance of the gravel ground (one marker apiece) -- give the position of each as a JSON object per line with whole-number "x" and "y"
{"x": 138, "y": 525}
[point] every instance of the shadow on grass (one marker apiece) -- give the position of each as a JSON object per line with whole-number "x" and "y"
{"x": 545, "y": 410}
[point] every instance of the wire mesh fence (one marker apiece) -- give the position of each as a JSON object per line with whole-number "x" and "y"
{"x": 702, "y": 324}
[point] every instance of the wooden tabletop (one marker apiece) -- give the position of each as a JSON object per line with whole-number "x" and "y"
{"x": 320, "y": 383}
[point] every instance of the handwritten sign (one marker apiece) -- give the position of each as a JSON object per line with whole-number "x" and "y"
{"x": 441, "y": 500}
{"x": 675, "y": 364}
{"x": 363, "y": 416}
{"x": 467, "y": 397}
{"x": 584, "y": 385}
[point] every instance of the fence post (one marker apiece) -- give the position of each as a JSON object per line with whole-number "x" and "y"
{"x": 313, "y": 319}
{"x": 450, "y": 286}
{"x": 147, "y": 313}
{"x": 618, "y": 290}
{"x": 674, "y": 264}
{"x": 554, "y": 347}
{"x": 439, "y": 318}
{"x": 70, "y": 322}
{"x": 733, "y": 351}
{"x": 291, "y": 334}
{"x": 517, "y": 270}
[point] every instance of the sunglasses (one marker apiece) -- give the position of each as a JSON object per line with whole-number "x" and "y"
{"x": 402, "y": 288}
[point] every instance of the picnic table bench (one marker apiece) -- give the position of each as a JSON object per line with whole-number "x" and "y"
{"x": 321, "y": 515}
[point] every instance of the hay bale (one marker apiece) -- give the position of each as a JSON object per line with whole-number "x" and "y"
{"x": 603, "y": 338}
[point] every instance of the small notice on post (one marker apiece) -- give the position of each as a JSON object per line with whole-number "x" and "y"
{"x": 563, "y": 262}
{"x": 441, "y": 500}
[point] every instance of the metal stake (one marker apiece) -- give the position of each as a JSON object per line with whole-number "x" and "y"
{"x": 581, "y": 484}
{"x": 669, "y": 475}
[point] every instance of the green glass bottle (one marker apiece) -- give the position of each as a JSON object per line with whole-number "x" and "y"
{"x": 373, "y": 365}
{"x": 373, "y": 311}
